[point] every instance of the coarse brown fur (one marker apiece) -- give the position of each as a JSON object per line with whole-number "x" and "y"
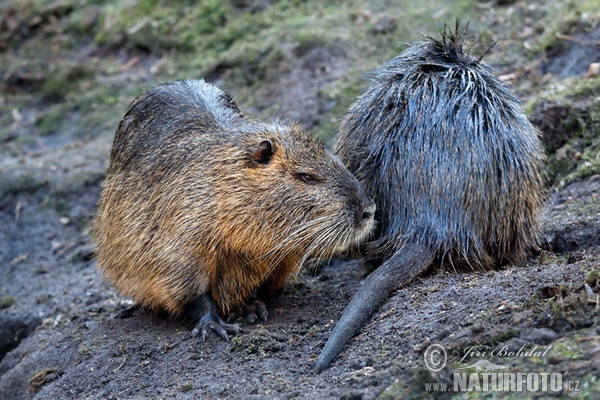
{"x": 200, "y": 200}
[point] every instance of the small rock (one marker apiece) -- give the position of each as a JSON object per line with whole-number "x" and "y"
{"x": 294, "y": 394}
{"x": 384, "y": 24}
{"x": 465, "y": 333}
{"x": 420, "y": 348}
{"x": 548, "y": 292}
{"x": 553, "y": 360}
{"x": 541, "y": 336}
{"x": 593, "y": 354}
{"x": 593, "y": 70}
{"x": 520, "y": 317}
{"x": 478, "y": 328}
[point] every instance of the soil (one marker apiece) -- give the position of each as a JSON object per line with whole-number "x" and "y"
{"x": 61, "y": 337}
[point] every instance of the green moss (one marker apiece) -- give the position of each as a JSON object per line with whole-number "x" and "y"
{"x": 188, "y": 387}
{"x": 210, "y": 36}
{"x": 577, "y": 100}
{"x": 64, "y": 80}
{"x": 590, "y": 167}
{"x": 157, "y": 26}
{"x": 569, "y": 348}
{"x": 51, "y": 121}
{"x": 22, "y": 182}
{"x": 6, "y": 131}
{"x": 558, "y": 19}
{"x": 83, "y": 21}
{"x": 593, "y": 276}
{"x": 6, "y": 302}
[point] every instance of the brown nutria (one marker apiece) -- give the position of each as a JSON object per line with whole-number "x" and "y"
{"x": 453, "y": 164}
{"x": 203, "y": 209}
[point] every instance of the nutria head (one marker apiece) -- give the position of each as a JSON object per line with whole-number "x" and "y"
{"x": 289, "y": 194}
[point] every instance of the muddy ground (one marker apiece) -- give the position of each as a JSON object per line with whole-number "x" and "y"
{"x": 59, "y": 335}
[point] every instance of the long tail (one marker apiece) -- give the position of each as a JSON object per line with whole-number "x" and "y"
{"x": 399, "y": 270}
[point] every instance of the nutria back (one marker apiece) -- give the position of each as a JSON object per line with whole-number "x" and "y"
{"x": 453, "y": 164}
{"x": 203, "y": 205}
{"x": 450, "y": 158}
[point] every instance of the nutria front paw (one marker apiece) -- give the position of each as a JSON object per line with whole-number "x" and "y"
{"x": 203, "y": 309}
{"x": 212, "y": 322}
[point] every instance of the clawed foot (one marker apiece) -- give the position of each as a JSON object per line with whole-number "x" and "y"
{"x": 255, "y": 310}
{"x": 212, "y": 322}
{"x": 252, "y": 312}
{"x": 209, "y": 320}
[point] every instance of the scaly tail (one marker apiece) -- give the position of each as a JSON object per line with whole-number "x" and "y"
{"x": 401, "y": 269}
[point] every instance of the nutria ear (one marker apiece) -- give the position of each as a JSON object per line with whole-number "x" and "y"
{"x": 263, "y": 152}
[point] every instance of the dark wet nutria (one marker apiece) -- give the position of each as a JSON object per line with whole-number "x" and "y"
{"x": 454, "y": 167}
{"x": 203, "y": 209}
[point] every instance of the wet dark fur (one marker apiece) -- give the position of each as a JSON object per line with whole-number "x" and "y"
{"x": 453, "y": 164}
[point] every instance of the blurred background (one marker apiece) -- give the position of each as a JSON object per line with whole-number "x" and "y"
{"x": 69, "y": 68}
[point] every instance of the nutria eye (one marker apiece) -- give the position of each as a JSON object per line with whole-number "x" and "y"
{"x": 306, "y": 178}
